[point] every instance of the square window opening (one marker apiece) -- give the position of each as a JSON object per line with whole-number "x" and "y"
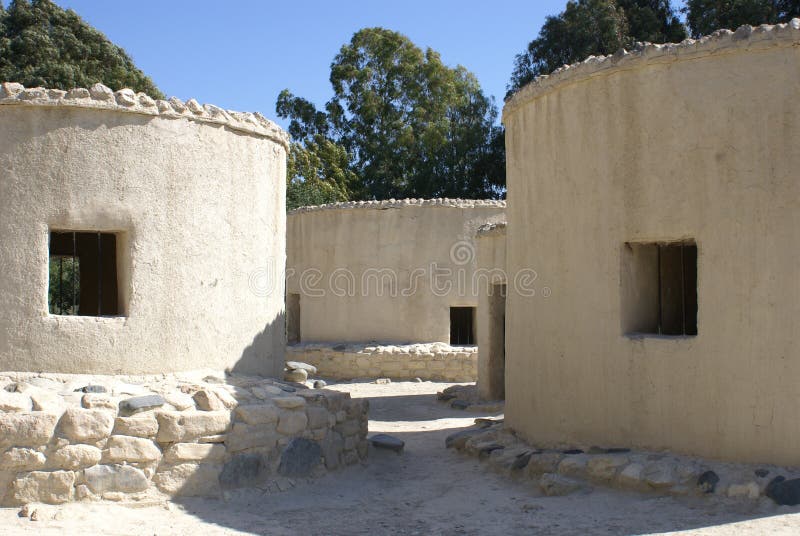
{"x": 83, "y": 274}
{"x": 659, "y": 288}
{"x": 462, "y": 326}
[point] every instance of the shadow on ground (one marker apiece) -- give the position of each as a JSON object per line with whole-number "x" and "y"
{"x": 430, "y": 490}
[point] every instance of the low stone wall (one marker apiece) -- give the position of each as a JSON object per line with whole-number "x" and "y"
{"x": 560, "y": 471}
{"x": 434, "y": 361}
{"x": 65, "y": 438}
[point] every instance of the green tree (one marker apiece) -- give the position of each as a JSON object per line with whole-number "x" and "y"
{"x": 409, "y": 125}
{"x": 706, "y": 16}
{"x": 44, "y": 45}
{"x": 594, "y": 27}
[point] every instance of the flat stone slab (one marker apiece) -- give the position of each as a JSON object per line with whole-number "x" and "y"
{"x": 91, "y": 389}
{"x": 141, "y": 403}
{"x": 300, "y": 458}
{"x": 243, "y": 470}
{"x": 385, "y": 441}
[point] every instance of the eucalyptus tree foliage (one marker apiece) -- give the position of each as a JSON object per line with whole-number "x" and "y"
{"x": 594, "y": 27}
{"x": 705, "y": 16}
{"x": 400, "y": 124}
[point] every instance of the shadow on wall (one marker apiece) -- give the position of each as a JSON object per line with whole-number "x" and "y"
{"x": 265, "y": 356}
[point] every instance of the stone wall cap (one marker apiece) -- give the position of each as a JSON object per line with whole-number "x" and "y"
{"x": 100, "y": 97}
{"x": 402, "y": 203}
{"x": 721, "y": 41}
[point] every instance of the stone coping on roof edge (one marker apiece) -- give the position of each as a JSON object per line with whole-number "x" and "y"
{"x": 401, "y": 203}
{"x": 100, "y": 97}
{"x": 719, "y": 42}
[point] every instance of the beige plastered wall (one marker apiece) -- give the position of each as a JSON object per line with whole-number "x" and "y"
{"x": 363, "y": 270}
{"x": 198, "y": 209}
{"x": 698, "y": 140}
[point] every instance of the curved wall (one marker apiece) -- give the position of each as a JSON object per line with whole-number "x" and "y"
{"x": 196, "y": 197}
{"x": 691, "y": 141}
{"x": 363, "y": 271}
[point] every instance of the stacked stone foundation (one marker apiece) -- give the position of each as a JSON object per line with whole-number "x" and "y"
{"x": 67, "y": 438}
{"x": 435, "y": 361}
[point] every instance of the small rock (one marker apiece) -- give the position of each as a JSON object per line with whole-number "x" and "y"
{"x": 297, "y": 365}
{"x": 141, "y": 403}
{"x": 91, "y": 389}
{"x": 556, "y": 485}
{"x": 484, "y": 422}
{"x": 35, "y": 515}
{"x": 784, "y": 492}
{"x": 86, "y": 425}
{"x": 659, "y": 475}
{"x": 459, "y": 404}
{"x": 180, "y": 401}
{"x": 385, "y": 441}
{"x": 207, "y": 400}
{"x": 707, "y": 482}
{"x": 78, "y": 93}
{"x": 761, "y": 473}
{"x": 15, "y": 402}
{"x": 101, "y": 93}
{"x": 418, "y": 380}
{"x": 319, "y": 384}
{"x": 458, "y": 439}
{"x": 289, "y": 402}
{"x": 382, "y": 381}
{"x": 522, "y": 460}
{"x": 749, "y": 490}
{"x": 485, "y": 450}
{"x": 25, "y": 511}
{"x": 298, "y": 376}
{"x": 444, "y": 397}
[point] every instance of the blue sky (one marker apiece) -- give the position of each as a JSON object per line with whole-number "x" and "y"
{"x": 241, "y": 54}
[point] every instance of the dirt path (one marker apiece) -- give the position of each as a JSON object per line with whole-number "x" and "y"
{"x": 426, "y": 491}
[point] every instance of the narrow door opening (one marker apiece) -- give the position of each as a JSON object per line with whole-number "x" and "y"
{"x": 293, "y": 318}
{"x": 497, "y": 342}
{"x": 462, "y": 326}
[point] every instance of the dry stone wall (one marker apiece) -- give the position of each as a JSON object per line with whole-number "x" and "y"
{"x": 436, "y": 361}
{"x": 67, "y": 438}
{"x": 569, "y": 468}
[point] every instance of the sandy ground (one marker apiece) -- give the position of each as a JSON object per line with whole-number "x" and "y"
{"x": 427, "y": 490}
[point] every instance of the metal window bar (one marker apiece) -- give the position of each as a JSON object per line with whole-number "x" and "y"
{"x": 74, "y": 256}
{"x": 99, "y": 276}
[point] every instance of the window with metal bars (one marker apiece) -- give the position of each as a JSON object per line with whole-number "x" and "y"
{"x": 83, "y": 274}
{"x": 462, "y": 325}
{"x": 660, "y": 288}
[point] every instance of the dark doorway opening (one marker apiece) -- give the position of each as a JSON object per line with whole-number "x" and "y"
{"x": 497, "y": 342}
{"x": 293, "y": 318}
{"x": 462, "y": 326}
